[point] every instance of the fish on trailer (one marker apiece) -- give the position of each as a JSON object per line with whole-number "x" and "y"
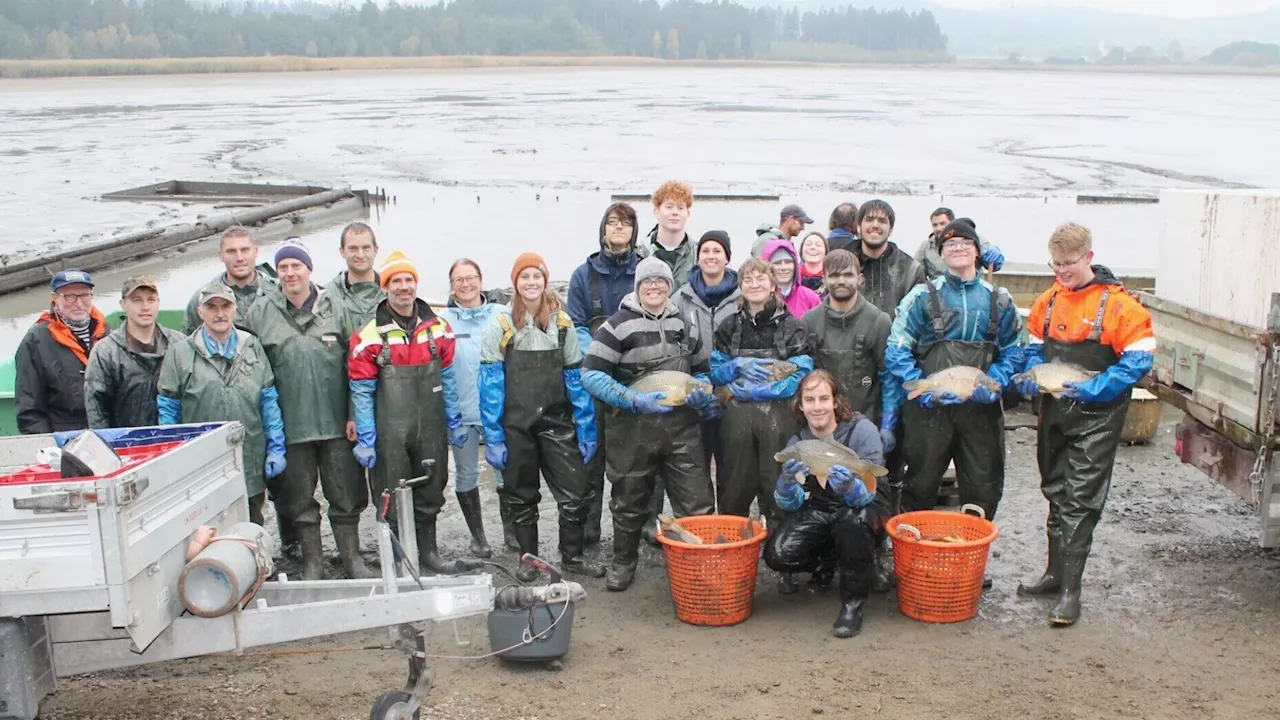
{"x": 672, "y": 529}
{"x": 821, "y": 455}
{"x": 960, "y": 380}
{"x": 1051, "y": 377}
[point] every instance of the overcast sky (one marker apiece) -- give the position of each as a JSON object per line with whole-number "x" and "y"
{"x": 1179, "y": 8}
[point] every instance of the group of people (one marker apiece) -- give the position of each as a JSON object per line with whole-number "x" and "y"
{"x": 814, "y": 341}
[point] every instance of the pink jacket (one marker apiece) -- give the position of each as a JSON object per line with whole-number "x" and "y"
{"x": 800, "y": 299}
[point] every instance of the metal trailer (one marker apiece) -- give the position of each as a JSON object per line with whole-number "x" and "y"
{"x": 89, "y": 573}
{"x": 1225, "y": 376}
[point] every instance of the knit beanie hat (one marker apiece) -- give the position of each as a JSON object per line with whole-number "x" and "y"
{"x": 716, "y": 236}
{"x": 526, "y": 261}
{"x": 396, "y": 263}
{"x": 651, "y": 267}
{"x": 293, "y": 249}
{"x": 962, "y": 228}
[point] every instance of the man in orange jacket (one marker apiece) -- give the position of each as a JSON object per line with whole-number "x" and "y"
{"x": 52, "y": 357}
{"x": 1086, "y": 318}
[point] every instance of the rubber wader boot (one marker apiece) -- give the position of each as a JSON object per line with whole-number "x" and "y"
{"x": 312, "y": 551}
{"x": 347, "y": 538}
{"x": 1052, "y": 577}
{"x": 885, "y": 578}
{"x": 572, "y": 539}
{"x": 255, "y": 509}
{"x": 428, "y": 554}
{"x": 527, "y": 536}
{"x": 1067, "y": 610}
{"x": 508, "y": 531}
{"x": 820, "y": 582}
{"x": 469, "y": 501}
{"x": 787, "y": 584}
{"x": 288, "y": 538}
{"x": 849, "y": 622}
{"x": 626, "y": 553}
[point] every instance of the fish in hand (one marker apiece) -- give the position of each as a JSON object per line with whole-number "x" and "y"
{"x": 1051, "y": 377}
{"x": 821, "y": 455}
{"x": 959, "y": 380}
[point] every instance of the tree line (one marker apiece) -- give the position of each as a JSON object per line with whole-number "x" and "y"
{"x": 679, "y": 29}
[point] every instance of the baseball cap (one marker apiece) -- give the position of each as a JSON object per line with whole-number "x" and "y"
{"x": 64, "y": 278}
{"x": 796, "y": 211}
{"x": 135, "y": 282}
{"x": 216, "y": 290}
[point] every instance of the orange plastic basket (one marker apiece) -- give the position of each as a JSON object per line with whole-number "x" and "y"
{"x": 940, "y": 582}
{"x": 713, "y": 584}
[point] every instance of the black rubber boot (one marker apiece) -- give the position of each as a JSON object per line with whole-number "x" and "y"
{"x": 656, "y": 503}
{"x": 1067, "y": 609}
{"x": 469, "y": 501}
{"x": 884, "y": 579}
{"x": 312, "y": 551}
{"x": 572, "y": 541}
{"x": 626, "y": 553}
{"x": 508, "y": 530}
{"x": 820, "y": 582}
{"x": 849, "y": 622}
{"x": 1052, "y": 577}
{"x": 428, "y": 554}
{"x": 527, "y": 537}
{"x": 288, "y": 538}
{"x": 347, "y": 538}
{"x": 787, "y": 584}
{"x": 256, "y": 504}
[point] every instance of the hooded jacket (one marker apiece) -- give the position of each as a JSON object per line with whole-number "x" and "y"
{"x": 50, "y": 364}
{"x": 468, "y": 331}
{"x": 681, "y": 260}
{"x": 888, "y": 278}
{"x": 358, "y": 300}
{"x": 799, "y": 299}
{"x": 598, "y": 285}
{"x": 245, "y": 298}
{"x": 765, "y": 234}
{"x": 698, "y": 303}
{"x": 120, "y": 381}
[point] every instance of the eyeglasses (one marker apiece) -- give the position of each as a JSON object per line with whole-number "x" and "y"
{"x": 956, "y": 244}
{"x": 76, "y": 297}
{"x": 1055, "y": 265}
{"x": 756, "y": 281}
{"x": 466, "y": 280}
{"x": 653, "y": 282}
{"x": 615, "y": 222}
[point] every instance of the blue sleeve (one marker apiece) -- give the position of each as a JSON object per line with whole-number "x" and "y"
{"x": 1119, "y": 378}
{"x": 578, "y": 303}
{"x": 892, "y": 396}
{"x": 452, "y": 409}
{"x": 584, "y": 337}
{"x": 787, "y": 386}
{"x": 899, "y": 352}
{"x": 272, "y": 420}
{"x": 170, "y": 410}
{"x": 1009, "y": 360}
{"x": 789, "y": 496}
{"x": 722, "y": 370}
{"x": 362, "y": 392}
{"x": 493, "y": 401}
{"x": 607, "y": 390}
{"x": 1032, "y": 355}
{"x": 584, "y": 410}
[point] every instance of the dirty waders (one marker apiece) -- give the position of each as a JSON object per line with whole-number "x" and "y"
{"x": 343, "y": 483}
{"x": 750, "y": 433}
{"x": 542, "y": 442}
{"x": 671, "y": 449}
{"x": 409, "y": 411}
{"x": 1076, "y": 452}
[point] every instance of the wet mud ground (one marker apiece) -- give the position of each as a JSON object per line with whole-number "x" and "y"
{"x": 1181, "y": 620}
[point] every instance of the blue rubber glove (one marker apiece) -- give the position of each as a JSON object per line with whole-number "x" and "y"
{"x": 647, "y": 404}
{"x": 752, "y": 370}
{"x": 1114, "y": 381}
{"x": 587, "y": 450}
{"x": 930, "y": 400}
{"x": 272, "y": 422}
{"x": 496, "y": 455}
{"x": 839, "y": 479}
{"x": 712, "y": 411}
{"x": 362, "y": 392}
{"x": 274, "y": 466}
{"x": 850, "y": 489}
{"x": 366, "y": 456}
{"x": 584, "y": 409}
{"x": 1026, "y": 385}
{"x": 458, "y": 436}
{"x": 750, "y": 392}
{"x": 992, "y": 256}
{"x": 984, "y": 396}
{"x": 888, "y": 439}
{"x": 791, "y": 468}
{"x": 788, "y": 493}
{"x": 699, "y": 398}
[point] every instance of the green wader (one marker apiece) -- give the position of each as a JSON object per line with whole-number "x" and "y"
{"x": 971, "y": 433}
{"x": 409, "y": 412}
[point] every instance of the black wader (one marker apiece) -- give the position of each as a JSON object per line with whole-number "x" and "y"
{"x": 1076, "y": 452}
{"x": 595, "y": 470}
{"x": 970, "y": 433}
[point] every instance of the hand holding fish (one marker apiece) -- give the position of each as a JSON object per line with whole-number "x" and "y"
{"x": 796, "y": 469}
{"x": 983, "y": 394}
{"x": 839, "y": 479}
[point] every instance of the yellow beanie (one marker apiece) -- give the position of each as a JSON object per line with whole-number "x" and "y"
{"x": 396, "y": 263}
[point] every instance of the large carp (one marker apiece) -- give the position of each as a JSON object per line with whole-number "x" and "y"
{"x": 821, "y": 455}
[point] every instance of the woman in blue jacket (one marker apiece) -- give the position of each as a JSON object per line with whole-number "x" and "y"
{"x": 469, "y": 313}
{"x": 538, "y": 420}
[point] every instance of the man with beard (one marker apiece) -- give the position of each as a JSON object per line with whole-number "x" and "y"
{"x": 888, "y": 272}
{"x": 238, "y": 253}
{"x": 790, "y": 225}
{"x": 596, "y": 290}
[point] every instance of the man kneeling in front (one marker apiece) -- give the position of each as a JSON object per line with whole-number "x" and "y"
{"x": 838, "y": 525}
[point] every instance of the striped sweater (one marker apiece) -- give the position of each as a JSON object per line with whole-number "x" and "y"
{"x": 632, "y": 339}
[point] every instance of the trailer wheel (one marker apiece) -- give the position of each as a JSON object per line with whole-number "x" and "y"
{"x": 392, "y": 705}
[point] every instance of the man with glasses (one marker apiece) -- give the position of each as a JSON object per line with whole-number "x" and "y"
{"x": 52, "y": 357}
{"x": 957, "y": 319}
{"x": 596, "y": 289}
{"x": 1086, "y": 318}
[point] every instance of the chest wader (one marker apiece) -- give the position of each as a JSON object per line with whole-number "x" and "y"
{"x": 542, "y": 442}
{"x": 643, "y": 449}
{"x": 1076, "y": 452}
{"x": 409, "y": 412}
{"x": 595, "y": 470}
{"x": 971, "y": 434}
{"x": 750, "y": 433}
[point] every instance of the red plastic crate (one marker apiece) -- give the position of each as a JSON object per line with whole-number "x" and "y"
{"x": 132, "y": 456}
